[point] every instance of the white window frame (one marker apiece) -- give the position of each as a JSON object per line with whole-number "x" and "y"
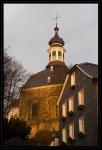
{"x": 71, "y": 130}
{"x": 81, "y": 97}
{"x": 73, "y": 79}
{"x": 71, "y": 104}
{"x": 48, "y": 79}
{"x": 82, "y": 124}
{"x": 51, "y": 68}
{"x": 64, "y": 109}
{"x": 64, "y": 134}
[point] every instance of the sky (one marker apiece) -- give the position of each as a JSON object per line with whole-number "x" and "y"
{"x": 29, "y": 27}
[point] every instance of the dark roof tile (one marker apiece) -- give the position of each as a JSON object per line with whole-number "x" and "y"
{"x": 40, "y": 79}
{"x": 90, "y": 68}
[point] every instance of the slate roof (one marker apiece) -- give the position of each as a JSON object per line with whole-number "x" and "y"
{"x": 90, "y": 68}
{"x": 57, "y": 75}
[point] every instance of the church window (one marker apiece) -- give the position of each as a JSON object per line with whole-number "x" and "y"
{"x": 71, "y": 104}
{"x": 64, "y": 134}
{"x": 54, "y": 53}
{"x": 64, "y": 110}
{"x": 59, "y": 53}
{"x": 63, "y": 56}
{"x": 71, "y": 130}
{"x": 73, "y": 79}
{"x": 81, "y": 124}
{"x": 49, "y": 55}
{"x": 51, "y": 68}
{"x": 34, "y": 111}
{"x": 48, "y": 79}
{"x": 81, "y": 97}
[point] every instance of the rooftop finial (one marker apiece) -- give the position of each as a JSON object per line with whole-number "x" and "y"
{"x": 56, "y": 28}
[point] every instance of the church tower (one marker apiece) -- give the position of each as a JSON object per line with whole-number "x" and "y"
{"x": 40, "y": 94}
{"x": 56, "y": 49}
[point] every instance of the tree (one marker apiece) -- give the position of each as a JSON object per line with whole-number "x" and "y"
{"x": 15, "y": 128}
{"x": 14, "y": 77}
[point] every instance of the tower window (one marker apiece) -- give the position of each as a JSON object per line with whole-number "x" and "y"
{"x": 81, "y": 97}
{"x": 49, "y": 55}
{"x": 54, "y": 53}
{"x": 81, "y": 125}
{"x": 49, "y": 79}
{"x": 71, "y": 130}
{"x": 59, "y": 53}
{"x": 71, "y": 104}
{"x": 51, "y": 68}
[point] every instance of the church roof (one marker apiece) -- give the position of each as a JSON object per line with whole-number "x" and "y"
{"x": 57, "y": 76}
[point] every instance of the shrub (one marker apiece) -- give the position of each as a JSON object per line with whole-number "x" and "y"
{"x": 15, "y": 128}
{"x": 44, "y": 137}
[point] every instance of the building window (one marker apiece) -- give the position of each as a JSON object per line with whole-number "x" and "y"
{"x": 81, "y": 125}
{"x": 59, "y": 53}
{"x": 64, "y": 135}
{"x": 49, "y": 79}
{"x": 34, "y": 111}
{"x": 51, "y": 68}
{"x": 54, "y": 53}
{"x": 73, "y": 79}
{"x": 49, "y": 56}
{"x": 64, "y": 110}
{"x": 71, "y": 104}
{"x": 81, "y": 97}
{"x": 71, "y": 130}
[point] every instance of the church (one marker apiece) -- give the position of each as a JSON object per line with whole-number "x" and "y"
{"x": 39, "y": 95}
{"x": 58, "y": 99}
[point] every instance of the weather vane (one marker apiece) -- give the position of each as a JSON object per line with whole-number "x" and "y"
{"x": 56, "y": 18}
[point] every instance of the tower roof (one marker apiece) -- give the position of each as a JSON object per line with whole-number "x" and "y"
{"x": 56, "y": 38}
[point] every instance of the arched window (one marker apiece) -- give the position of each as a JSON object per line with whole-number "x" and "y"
{"x": 63, "y": 56}
{"x": 54, "y": 53}
{"x": 49, "y": 55}
{"x": 34, "y": 110}
{"x": 59, "y": 53}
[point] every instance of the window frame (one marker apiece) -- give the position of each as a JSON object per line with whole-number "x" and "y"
{"x": 60, "y": 53}
{"x": 64, "y": 134}
{"x": 53, "y": 53}
{"x": 48, "y": 79}
{"x": 64, "y": 109}
{"x": 82, "y": 124}
{"x": 81, "y": 97}
{"x": 71, "y": 130}
{"x": 71, "y": 104}
{"x": 73, "y": 79}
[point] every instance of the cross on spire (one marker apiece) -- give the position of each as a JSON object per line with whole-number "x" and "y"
{"x": 56, "y": 18}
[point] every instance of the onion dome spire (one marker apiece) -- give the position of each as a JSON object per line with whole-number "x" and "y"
{"x": 56, "y": 38}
